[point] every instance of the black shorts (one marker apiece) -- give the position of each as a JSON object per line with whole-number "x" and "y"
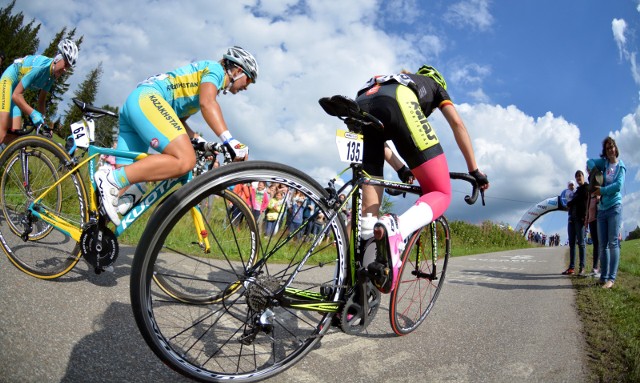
{"x": 397, "y": 107}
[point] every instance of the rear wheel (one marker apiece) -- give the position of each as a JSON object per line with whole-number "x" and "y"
{"x": 29, "y": 167}
{"x": 273, "y": 294}
{"x": 424, "y": 265}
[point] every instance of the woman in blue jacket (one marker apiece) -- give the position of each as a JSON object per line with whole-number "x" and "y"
{"x": 609, "y": 209}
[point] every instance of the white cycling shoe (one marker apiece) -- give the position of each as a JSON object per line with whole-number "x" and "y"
{"x": 108, "y": 195}
{"x": 389, "y": 247}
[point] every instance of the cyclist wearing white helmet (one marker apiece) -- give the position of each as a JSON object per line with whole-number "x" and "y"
{"x": 155, "y": 115}
{"x": 402, "y": 102}
{"x": 31, "y": 72}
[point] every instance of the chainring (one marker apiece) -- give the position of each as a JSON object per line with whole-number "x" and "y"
{"x": 352, "y": 320}
{"x": 99, "y": 246}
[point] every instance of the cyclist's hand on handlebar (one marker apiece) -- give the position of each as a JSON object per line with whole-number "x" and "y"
{"x": 237, "y": 150}
{"x": 36, "y": 118}
{"x": 199, "y": 143}
{"x": 481, "y": 179}
{"x": 405, "y": 175}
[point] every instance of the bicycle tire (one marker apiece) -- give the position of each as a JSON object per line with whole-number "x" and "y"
{"x": 228, "y": 340}
{"x": 14, "y": 201}
{"x": 48, "y": 253}
{"x": 174, "y": 272}
{"x": 419, "y": 283}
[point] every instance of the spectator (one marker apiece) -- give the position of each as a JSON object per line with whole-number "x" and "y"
{"x": 296, "y": 212}
{"x": 275, "y": 208}
{"x": 577, "y": 210}
{"x": 260, "y": 200}
{"x": 592, "y": 222}
{"x": 609, "y": 209}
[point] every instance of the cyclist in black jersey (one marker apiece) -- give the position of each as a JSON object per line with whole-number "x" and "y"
{"x": 402, "y": 102}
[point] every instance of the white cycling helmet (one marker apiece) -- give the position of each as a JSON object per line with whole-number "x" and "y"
{"x": 244, "y": 60}
{"x": 69, "y": 51}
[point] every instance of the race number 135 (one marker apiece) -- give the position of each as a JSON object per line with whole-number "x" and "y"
{"x": 349, "y": 146}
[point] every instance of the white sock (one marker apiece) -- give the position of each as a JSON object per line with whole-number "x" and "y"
{"x": 417, "y": 216}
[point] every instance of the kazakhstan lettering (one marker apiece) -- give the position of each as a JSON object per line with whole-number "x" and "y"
{"x": 165, "y": 113}
{"x": 182, "y": 85}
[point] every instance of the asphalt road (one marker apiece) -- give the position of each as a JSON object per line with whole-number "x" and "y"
{"x": 502, "y": 317}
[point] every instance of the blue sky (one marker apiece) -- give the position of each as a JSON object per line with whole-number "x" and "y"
{"x": 538, "y": 83}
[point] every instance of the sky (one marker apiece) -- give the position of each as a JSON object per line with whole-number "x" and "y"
{"x": 539, "y": 83}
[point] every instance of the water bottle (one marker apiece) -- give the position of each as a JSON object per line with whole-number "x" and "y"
{"x": 367, "y": 225}
{"x": 132, "y": 196}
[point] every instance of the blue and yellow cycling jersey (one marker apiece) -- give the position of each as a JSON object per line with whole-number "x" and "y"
{"x": 35, "y": 72}
{"x": 181, "y": 87}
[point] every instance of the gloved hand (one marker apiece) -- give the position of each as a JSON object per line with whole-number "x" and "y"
{"x": 480, "y": 177}
{"x": 36, "y": 118}
{"x": 199, "y": 143}
{"x": 405, "y": 175}
{"x": 237, "y": 149}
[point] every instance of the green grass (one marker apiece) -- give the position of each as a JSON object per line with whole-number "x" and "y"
{"x": 611, "y": 320}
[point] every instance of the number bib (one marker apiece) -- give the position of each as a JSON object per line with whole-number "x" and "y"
{"x": 349, "y": 146}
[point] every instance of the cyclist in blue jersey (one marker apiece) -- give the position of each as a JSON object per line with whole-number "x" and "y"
{"x": 31, "y": 72}
{"x": 155, "y": 115}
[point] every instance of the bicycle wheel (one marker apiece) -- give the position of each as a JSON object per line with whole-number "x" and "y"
{"x": 421, "y": 277}
{"x": 276, "y": 293}
{"x": 30, "y": 166}
{"x": 182, "y": 269}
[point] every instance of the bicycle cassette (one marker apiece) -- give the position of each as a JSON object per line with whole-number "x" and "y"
{"x": 99, "y": 247}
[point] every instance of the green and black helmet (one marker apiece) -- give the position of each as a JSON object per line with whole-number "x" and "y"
{"x": 429, "y": 71}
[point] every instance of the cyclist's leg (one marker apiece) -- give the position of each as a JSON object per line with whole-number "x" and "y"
{"x": 156, "y": 125}
{"x": 433, "y": 177}
{"x": 418, "y": 144}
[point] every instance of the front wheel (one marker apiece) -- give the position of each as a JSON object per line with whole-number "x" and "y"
{"x": 271, "y": 290}
{"x": 421, "y": 277}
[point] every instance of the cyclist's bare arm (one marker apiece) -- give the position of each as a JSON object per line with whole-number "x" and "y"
{"x": 210, "y": 109}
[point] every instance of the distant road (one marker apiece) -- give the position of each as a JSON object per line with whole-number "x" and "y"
{"x": 502, "y": 317}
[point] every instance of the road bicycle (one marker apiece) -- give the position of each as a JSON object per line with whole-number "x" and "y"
{"x": 271, "y": 313}
{"x": 51, "y": 217}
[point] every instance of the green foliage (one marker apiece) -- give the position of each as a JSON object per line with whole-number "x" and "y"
{"x": 471, "y": 239}
{"x": 16, "y": 39}
{"x": 106, "y": 127}
{"x": 635, "y": 234}
{"x": 387, "y": 205}
{"x": 611, "y": 319}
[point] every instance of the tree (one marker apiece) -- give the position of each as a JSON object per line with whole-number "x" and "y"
{"x": 635, "y": 234}
{"x": 16, "y": 40}
{"x": 87, "y": 90}
{"x": 386, "y": 205}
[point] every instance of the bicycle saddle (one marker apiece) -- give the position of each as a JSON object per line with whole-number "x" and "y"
{"x": 340, "y": 106}
{"x": 88, "y": 108}
{"x": 348, "y": 110}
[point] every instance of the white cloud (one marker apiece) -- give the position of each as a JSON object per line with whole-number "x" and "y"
{"x": 618, "y": 27}
{"x": 306, "y": 53}
{"x": 474, "y": 13}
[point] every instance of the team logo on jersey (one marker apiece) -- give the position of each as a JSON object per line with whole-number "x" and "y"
{"x": 155, "y": 143}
